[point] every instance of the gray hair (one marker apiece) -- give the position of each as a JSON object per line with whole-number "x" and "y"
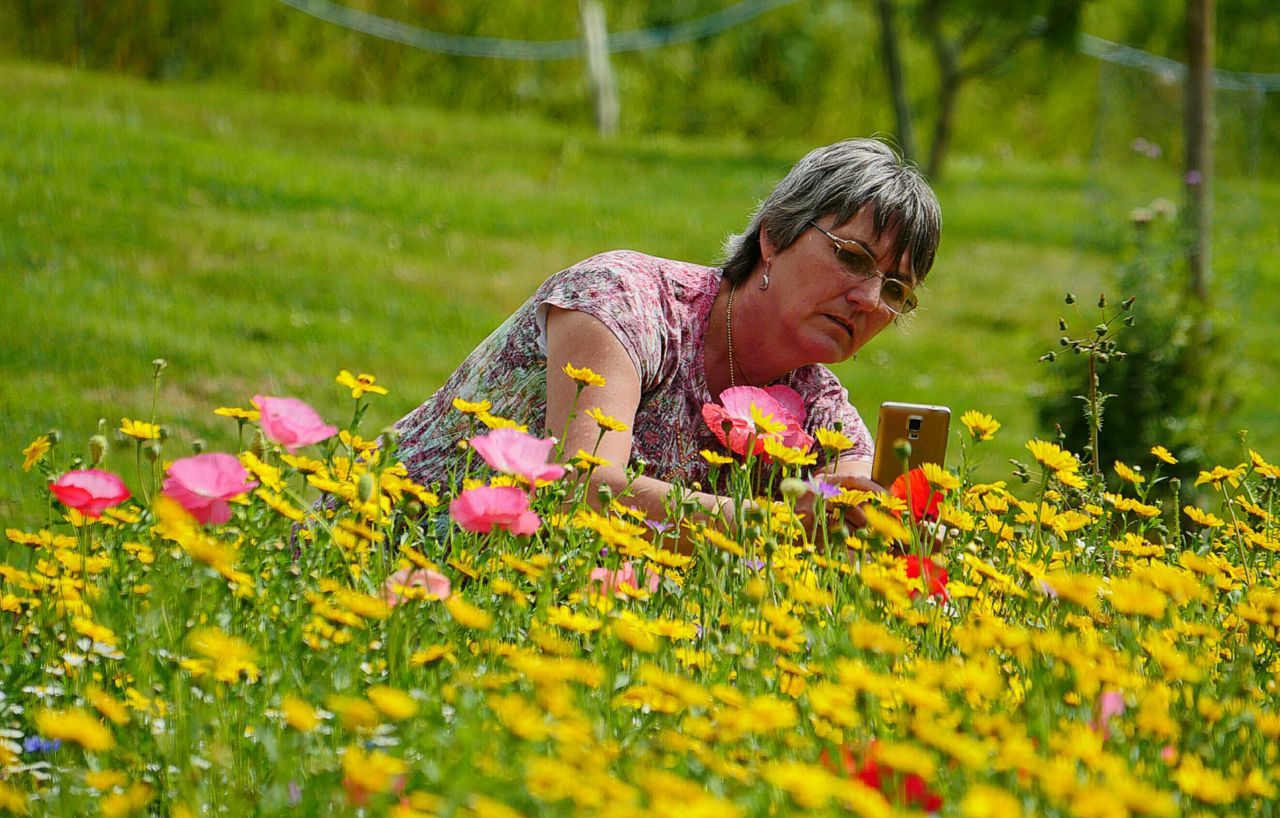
{"x": 841, "y": 179}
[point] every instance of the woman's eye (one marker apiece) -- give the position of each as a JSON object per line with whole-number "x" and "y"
{"x": 856, "y": 262}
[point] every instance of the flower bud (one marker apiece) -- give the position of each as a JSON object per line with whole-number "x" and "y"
{"x": 1102, "y": 300}
{"x": 198, "y": 445}
{"x": 391, "y": 435}
{"x": 55, "y": 436}
{"x": 413, "y": 509}
{"x": 1100, "y": 330}
{"x": 1064, "y": 341}
{"x": 151, "y": 450}
{"x": 605, "y": 495}
{"x": 367, "y": 488}
{"x": 97, "y": 449}
{"x": 1128, "y": 302}
{"x": 1070, "y": 299}
{"x": 902, "y": 448}
{"x": 258, "y": 445}
{"x": 157, "y": 366}
{"x": 793, "y": 488}
{"x": 1128, "y": 320}
{"x": 1049, "y": 357}
{"x": 1062, "y": 324}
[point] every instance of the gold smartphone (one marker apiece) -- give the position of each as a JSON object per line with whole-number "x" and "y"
{"x": 924, "y": 427}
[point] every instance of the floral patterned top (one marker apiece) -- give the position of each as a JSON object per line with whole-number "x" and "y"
{"x": 659, "y": 310}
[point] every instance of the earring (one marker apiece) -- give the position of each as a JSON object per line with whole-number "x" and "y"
{"x": 764, "y": 282}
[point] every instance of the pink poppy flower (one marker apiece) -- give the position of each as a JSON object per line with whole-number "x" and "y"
{"x": 482, "y": 509}
{"x": 395, "y": 589}
{"x": 511, "y": 451}
{"x": 605, "y": 580}
{"x": 1110, "y": 703}
{"x": 203, "y": 484}
{"x": 89, "y": 491}
{"x": 291, "y": 423}
{"x": 731, "y": 422}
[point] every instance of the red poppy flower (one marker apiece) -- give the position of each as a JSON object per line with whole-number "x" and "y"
{"x": 934, "y": 579}
{"x": 924, "y": 498}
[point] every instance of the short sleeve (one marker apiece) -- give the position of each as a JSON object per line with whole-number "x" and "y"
{"x": 828, "y": 406}
{"x": 623, "y": 291}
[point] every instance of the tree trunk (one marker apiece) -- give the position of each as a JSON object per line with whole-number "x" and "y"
{"x": 948, "y": 90}
{"x": 1198, "y": 136}
{"x": 897, "y": 80}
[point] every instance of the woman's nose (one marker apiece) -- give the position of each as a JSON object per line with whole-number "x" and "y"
{"x": 865, "y": 292}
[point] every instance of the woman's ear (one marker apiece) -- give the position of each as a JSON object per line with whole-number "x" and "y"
{"x": 767, "y": 248}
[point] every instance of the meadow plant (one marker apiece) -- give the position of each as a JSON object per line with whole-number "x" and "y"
{"x": 234, "y": 645}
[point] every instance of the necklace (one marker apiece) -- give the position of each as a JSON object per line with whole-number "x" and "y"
{"x": 728, "y": 331}
{"x": 733, "y": 363}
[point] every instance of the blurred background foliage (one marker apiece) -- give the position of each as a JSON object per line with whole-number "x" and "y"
{"x": 811, "y": 69}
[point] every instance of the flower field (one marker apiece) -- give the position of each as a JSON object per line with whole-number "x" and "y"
{"x": 194, "y": 636}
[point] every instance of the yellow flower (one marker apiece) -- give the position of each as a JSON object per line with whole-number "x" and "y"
{"x": 1163, "y": 454}
{"x": 786, "y": 455}
{"x": 569, "y": 620}
{"x": 139, "y": 429}
{"x": 906, "y": 758}
{"x": 1267, "y": 470}
{"x": 832, "y": 440}
{"x": 360, "y": 384}
{"x": 106, "y": 705}
{"x": 373, "y": 771}
{"x": 940, "y": 478}
{"x": 583, "y": 375}
{"x": 886, "y": 525}
{"x": 34, "y": 453}
{"x": 230, "y": 657}
{"x": 715, "y": 459}
{"x": 12, "y": 800}
{"x": 468, "y": 615}
{"x": 496, "y": 422}
{"x": 298, "y": 714}
{"x": 1051, "y": 456}
{"x": 585, "y": 460}
{"x": 251, "y": 415}
{"x": 983, "y": 801}
{"x": 1221, "y": 474}
{"x": 981, "y": 425}
{"x": 605, "y": 422}
{"x": 105, "y": 779}
{"x": 1203, "y": 517}
{"x": 394, "y": 704}
{"x": 120, "y": 804}
{"x": 467, "y": 407}
{"x": 766, "y": 425}
{"x": 75, "y": 725}
{"x": 1126, "y": 473}
{"x": 355, "y": 712}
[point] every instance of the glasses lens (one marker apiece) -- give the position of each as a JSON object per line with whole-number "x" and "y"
{"x": 856, "y": 260}
{"x": 897, "y": 296}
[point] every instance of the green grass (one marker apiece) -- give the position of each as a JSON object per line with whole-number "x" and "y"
{"x": 261, "y": 243}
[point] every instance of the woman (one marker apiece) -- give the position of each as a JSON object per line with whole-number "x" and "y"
{"x": 831, "y": 257}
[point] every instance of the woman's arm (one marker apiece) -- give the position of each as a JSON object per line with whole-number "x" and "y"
{"x": 577, "y": 338}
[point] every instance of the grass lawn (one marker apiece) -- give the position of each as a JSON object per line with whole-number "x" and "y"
{"x": 261, "y": 243}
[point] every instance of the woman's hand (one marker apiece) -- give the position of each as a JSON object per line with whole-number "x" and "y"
{"x": 850, "y": 516}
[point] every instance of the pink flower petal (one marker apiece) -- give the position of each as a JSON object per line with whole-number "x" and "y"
{"x": 291, "y": 423}
{"x": 203, "y": 484}
{"x": 89, "y": 491}
{"x": 482, "y": 509}
{"x": 511, "y": 451}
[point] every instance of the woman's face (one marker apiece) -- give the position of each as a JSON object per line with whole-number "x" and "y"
{"x": 823, "y": 312}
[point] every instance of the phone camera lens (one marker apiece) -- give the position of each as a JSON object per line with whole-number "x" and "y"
{"x": 914, "y": 422}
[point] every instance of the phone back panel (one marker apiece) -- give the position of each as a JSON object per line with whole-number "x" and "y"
{"x": 925, "y": 427}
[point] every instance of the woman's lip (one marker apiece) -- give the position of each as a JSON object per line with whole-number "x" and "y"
{"x": 843, "y": 324}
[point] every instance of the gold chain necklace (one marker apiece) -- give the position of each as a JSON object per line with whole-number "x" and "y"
{"x": 733, "y": 363}
{"x": 728, "y": 331}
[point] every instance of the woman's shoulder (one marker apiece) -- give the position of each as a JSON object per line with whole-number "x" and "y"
{"x": 645, "y": 269}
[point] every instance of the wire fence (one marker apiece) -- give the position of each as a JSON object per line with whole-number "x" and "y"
{"x": 535, "y": 50}
{"x": 697, "y": 29}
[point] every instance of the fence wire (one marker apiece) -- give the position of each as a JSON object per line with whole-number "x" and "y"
{"x": 534, "y": 50}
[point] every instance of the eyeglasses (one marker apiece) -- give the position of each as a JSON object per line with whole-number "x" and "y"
{"x": 857, "y": 261}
